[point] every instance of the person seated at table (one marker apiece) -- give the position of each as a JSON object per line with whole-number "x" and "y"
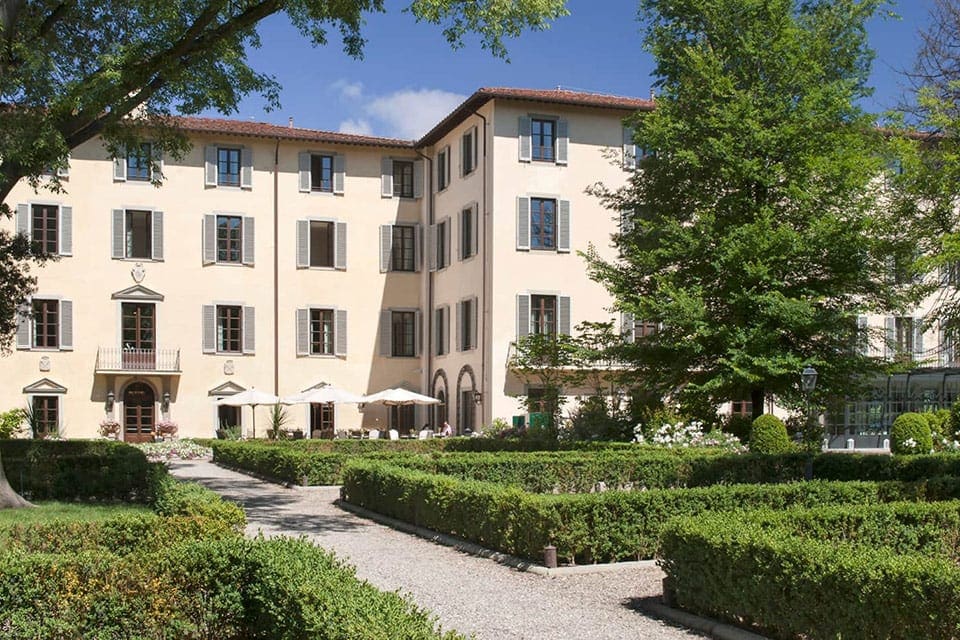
{"x": 447, "y": 430}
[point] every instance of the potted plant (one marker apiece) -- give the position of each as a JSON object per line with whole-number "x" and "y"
{"x": 110, "y": 428}
{"x": 166, "y": 429}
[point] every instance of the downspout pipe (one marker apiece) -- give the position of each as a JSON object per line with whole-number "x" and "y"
{"x": 276, "y": 268}
{"x": 429, "y": 311}
{"x": 485, "y": 268}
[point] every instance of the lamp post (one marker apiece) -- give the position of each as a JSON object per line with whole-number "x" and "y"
{"x": 808, "y": 382}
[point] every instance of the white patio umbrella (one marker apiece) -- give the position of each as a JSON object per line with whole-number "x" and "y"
{"x": 399, "y": 396}
{"x": 250, "y": 397}
{"x": 323, "y": 395}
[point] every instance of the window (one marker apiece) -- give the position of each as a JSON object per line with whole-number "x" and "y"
{"x": 467, "y": 411}
{"x": 538, "y": 401}
{"x": 321, "y": 173}
{"x": 321, "y": 332}
{"x": 403, "y": 325}
{"x": 543, "y": 136}
{"x": 229, "y": 329}
{"x": 46, "y": 324}
{"x": 321, "y": 244}
{"x": 322, "y": 420}
{"x": 403, "y": 253}
{"x": 741, "y": 408}
{"x": 442, "y": 331}
{"x": 443, "y": 251}
{"x": 46, "y": 416}
{"x": 467, "y": 246}
{"x": 403, "y": 178}
{"x": 44, "y": 228}
{"x": 903, "y": 338}
{"x": 138, "y": 235}
{"x": 228, "y": 167}
{"x": 543, "y": 224}
{"x": 468, "y": 151}
{"x": 643, "y": 329}
{"x": 229, "y": 235}
{"x": 443, "y": 169}
{"x": 138, "y": 162}
{"x": 227, "y": 416}
{"x": 950, "y": 274}
{"x": 543, "y": 314}
{"x": 467, "y": 319}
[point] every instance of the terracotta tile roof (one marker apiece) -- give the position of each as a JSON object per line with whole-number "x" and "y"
{"x": 549, "y": 96}
{"x": 217, "y": 126}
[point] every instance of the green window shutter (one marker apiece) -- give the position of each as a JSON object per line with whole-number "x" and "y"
{"x": 563, "y": 141}
{"x": 386, "y": 333}
{"x": 120, "y": 169}
{"x": 523, "y": 224}
{"x": 626, "y": 327}
{"x": 459, "y": 328}
{"x": 890, "y": 335}
{"x": 563, "y": 227}
{"x": 386, "y": 247}
{"x": 563, "y": 314}
{"x": 303, "y": 244}
{"x": 523, "y": 315}
{"x": 209, "y": 239}
{"x": 209, "y": 328}
{"x": 118, "y": 246}
{"x": 340, "y": 259}
{"x": 629, "y": 150}
{"x": 249, "y": 330}
{"x": 66, "y": 231}
{"x": 339, "y": 172}
{"x": 249, "y": 241}
{"x": 341, "y": 331}
{"x": 304, "y": 171}
{"x": 66, "y": 325}
{"x": 246, "y": 167}
{"x": 474, "y": 324}
{"x": 24, "y": 323}
{"x": 303, "y": 332}
{"x": 156, "y": 219}
{"x": 432, "y": 247}
{"x": 524, "y": 143}
{"x": 210, "y": 166}
{"x": 23, "y": 219}
{"x": 418, "y": 179}
{"x": 386, "y": 177}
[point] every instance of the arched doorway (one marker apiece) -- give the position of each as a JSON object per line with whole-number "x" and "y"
{"x": 139, "y": 413}
{"x": 466, "y": 406}
{"x": 440, "y": 413}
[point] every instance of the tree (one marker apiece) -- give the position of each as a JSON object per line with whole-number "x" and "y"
{"x": 546, "y": 362}
{"x": 753, "y": 236}
{"x": 926, "y": 190}
{"x": 74, "y": 70}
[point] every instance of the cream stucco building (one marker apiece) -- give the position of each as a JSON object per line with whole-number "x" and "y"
{"x": 279, "y": 258}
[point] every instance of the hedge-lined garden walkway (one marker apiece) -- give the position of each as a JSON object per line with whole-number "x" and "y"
{"x": 469, "y": 594}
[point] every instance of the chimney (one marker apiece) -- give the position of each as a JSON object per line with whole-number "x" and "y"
{"x": 653, "y": 93}
{"x": 290, "y": 122}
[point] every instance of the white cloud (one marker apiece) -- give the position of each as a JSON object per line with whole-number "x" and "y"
{"x": 358, "y": 126}
{"x": 347, "y": 89}
{"x": 412, "y": 112}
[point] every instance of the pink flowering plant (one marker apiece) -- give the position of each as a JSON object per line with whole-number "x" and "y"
{"x": 109, "y": 427}
{"x": 167, "y": 428}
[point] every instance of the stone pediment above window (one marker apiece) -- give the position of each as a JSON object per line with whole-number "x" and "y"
{"x": 44, "y": 385}
{"x": 137, "y": 292}
{"x": 226, "y": 389}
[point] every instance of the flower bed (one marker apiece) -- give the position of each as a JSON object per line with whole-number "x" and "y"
{"x": 887, "y": 571}
{"x": 596, "y": 527}
{"x": 174, "y": 450}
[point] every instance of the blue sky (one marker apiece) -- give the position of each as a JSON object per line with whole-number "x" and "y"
{"x": 410, "y": 77}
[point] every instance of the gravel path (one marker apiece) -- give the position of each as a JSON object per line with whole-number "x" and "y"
{"x": 469, "y": 594}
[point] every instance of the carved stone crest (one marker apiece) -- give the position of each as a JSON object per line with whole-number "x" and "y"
{"x": 138, "y": 272}
{"x": 44, "y": 363}
{"x": 228, "y": 368}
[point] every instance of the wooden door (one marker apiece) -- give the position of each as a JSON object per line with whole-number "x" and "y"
{"x": 139, "y": 412}
{"x": 138, "y": 337}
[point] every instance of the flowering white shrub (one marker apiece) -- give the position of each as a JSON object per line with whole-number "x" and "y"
{"x": 689, "y": 435}
{"x": 173, "y": 449}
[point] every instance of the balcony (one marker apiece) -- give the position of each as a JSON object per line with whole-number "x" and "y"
{"x": 155, "y": 361}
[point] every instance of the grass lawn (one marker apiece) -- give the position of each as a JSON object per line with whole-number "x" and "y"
{"x": 49, "y": 511}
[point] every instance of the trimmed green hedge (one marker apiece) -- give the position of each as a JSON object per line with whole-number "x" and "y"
{"x": 596, "y": 527}
{"x": 86, "y": 470}
{"x": 230, "y": 589}
{"x": 859, "y": 573}
{"x": 294, "y": 464}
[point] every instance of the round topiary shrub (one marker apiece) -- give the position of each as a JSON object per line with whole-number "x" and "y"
{"x": 910, "y": 434}
{"x": 769, "y": 435}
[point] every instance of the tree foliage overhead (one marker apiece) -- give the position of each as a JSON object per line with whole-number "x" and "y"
{"x": 72, "y": 70}
{"x": 753, "y": 235}
{"x": 927, "y": 189}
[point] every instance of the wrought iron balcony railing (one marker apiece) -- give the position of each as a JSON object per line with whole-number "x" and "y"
{"x": 114, "y": 359}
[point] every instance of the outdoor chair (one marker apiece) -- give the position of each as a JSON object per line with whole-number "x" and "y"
{"x": 426, "y": 433}
{"x": 394, "y": 434}
{"x": 374, "y": 434}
